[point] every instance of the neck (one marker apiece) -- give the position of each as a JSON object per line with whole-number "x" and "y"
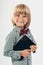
{"x": 21, "y": 27}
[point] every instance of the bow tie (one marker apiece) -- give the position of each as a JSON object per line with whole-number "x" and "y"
{"x": 23, "y": 31}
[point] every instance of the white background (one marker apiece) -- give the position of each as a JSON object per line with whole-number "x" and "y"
{"x": 6, "y": 10}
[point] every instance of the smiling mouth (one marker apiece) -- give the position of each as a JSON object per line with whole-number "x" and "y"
{"x": 21, "y": 22}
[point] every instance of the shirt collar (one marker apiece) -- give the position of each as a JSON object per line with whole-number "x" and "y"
{"x": 17, "y": 29}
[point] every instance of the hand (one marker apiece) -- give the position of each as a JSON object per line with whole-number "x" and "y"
{"x": 25, "y": 53}
{"x": 33, "y": 48}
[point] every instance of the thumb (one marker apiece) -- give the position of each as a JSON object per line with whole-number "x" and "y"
{"x": 29, "y": 50}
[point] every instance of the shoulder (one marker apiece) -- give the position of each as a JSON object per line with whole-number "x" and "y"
{"x": 11, "y": 34}
{"x": 29, "y": 33}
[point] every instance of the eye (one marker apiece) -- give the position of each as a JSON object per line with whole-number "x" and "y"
{"x": 24, "y": 15}
{"x": 17, "y": 15}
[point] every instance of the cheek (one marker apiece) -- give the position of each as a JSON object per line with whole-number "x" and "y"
{"x": 26, "y": 20}
{"x": 16, "y": 19}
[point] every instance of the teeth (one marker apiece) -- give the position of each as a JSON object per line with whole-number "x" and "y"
{"x": 21, "y": 22}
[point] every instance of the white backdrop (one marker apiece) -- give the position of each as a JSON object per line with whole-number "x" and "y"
{"x": 6, "y": 10}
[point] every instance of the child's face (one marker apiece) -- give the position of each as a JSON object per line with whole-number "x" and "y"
{"x": 20, "y": 20}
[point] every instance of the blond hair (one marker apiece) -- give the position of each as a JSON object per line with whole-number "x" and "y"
{"x": 22, "y": 9}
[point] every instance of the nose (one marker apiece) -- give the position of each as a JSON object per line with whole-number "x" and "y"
{"x": 20, "y": 18}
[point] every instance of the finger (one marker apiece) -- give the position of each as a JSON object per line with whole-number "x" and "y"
{"x": 35, "y": 46}
{"x": 29, "y": 50}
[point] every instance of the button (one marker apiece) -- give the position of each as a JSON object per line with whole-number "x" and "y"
{"x": 17, "y": 57}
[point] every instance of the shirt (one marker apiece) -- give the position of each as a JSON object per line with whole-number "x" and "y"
{"x": 11, "y": 40}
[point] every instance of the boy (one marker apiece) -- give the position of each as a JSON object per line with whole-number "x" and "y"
{"x": 21, "y": 20}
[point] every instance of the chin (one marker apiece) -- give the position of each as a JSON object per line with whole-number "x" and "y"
{"x": 21, "y": 26}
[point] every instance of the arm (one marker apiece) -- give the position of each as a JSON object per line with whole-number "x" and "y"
{"x": 31, "y": 37}
{"x": 8, "y": 49}
{"x": 33, "y": 47}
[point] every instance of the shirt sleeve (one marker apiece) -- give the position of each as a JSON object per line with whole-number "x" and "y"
{"x": 8, "y": 49}
{"x": 31, "y": 37}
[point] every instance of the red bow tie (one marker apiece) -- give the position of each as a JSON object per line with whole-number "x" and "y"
{"x": 23, "y": 31}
